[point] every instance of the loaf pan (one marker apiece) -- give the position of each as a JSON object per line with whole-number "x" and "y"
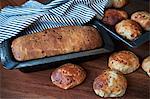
{"x": 132, "y": 7}
{"x": 9, "y": 62}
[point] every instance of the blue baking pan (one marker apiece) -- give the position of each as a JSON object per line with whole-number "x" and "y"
{"x": 9, "y": 61}
{"x": 131, "y": 7}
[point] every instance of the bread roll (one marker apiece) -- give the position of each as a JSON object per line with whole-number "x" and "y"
{"x": 56, "y": 41}
{"x": 143, "y": 18}
{"x": 68, "y": 76}
{"x": 110, "y": 84}
{"x": 124, "y": 61}
{"x": 113, "y": 16}
{"x": 146, "y": 65}
{"x": 119, "y": 3}
{"x": 129, "y": 29}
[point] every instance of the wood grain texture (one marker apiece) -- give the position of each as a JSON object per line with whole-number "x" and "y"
{"x": 37, "y": 85}
{"x": 15, "y": 84}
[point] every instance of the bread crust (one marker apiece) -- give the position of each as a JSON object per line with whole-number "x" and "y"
{"x": 129, "y": 29}
{"x": 68, "y": 76}
{"x": 56, "y": 41}
{"x": 124, "y": 61}
{"x": 110, "y": 84}
{"x": 119, "y": 3}
{"x": 146, "y": 65}
{"x": 113, "y": 16}
{"x": 143, "y": 18}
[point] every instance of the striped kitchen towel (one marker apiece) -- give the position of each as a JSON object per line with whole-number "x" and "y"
{"x": 34, "y": 17}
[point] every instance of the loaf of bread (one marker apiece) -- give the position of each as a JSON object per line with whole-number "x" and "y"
{"x": 56, "y": 41}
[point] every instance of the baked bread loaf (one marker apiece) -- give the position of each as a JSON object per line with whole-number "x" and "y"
{"x": 143, "y": 18}
{"x": 68, "y": 76}
{"x": 56, "y": 41}
{"x": 146, "y": 65}
{"x": 113, "y": 16}
{"x": 110, "y": 84}
{"x": 129, "y": 29}
{"x": 124, "y": 61}
{"x": 119, "y": 3}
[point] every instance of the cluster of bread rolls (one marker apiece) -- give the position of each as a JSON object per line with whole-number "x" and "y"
{"x": 130, "y": 29}
{"x": 112, "y": 83}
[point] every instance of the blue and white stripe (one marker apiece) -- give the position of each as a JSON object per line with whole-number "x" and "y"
{"x": 34, "y": 16}
{"x": 15, "y": 24}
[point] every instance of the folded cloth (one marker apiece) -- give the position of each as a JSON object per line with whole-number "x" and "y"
{"x": 34, "y": 17}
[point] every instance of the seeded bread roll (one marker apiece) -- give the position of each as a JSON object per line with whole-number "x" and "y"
{"x": 113, "y": 16}
{"x": 68, "y": 76}
{"x": 110, "y": 84}
{"x": 56, "y": 41}
{"x": 124, "y": 61}
{"x": 143, "y": 18}
{"x": 129, "y": 29}
{"x": 119, "y": 3}
{"x": 146, "y": 65}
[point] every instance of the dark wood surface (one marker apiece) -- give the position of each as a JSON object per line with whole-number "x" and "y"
{"x": 37, "y": 85}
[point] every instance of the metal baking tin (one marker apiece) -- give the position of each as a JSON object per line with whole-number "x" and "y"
{"x": 133, "y": 6}
{"x": 9, "y": 61}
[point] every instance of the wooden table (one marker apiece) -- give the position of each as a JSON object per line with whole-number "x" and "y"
{"x": 37, "y": 85}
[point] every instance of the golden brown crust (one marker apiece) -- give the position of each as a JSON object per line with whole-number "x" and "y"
{"x": 110, "y": 84}
{"x": 146, "y": 65}
{"x": 119, "y": 3}
{"x": 129, "y": 29}
{"x": 113, "y": 16}
{"x": 68, "y": 76}
{"x": 56, "y": 41}
{"x": 143, "y": 18}
{"x": 124, "y": 61}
